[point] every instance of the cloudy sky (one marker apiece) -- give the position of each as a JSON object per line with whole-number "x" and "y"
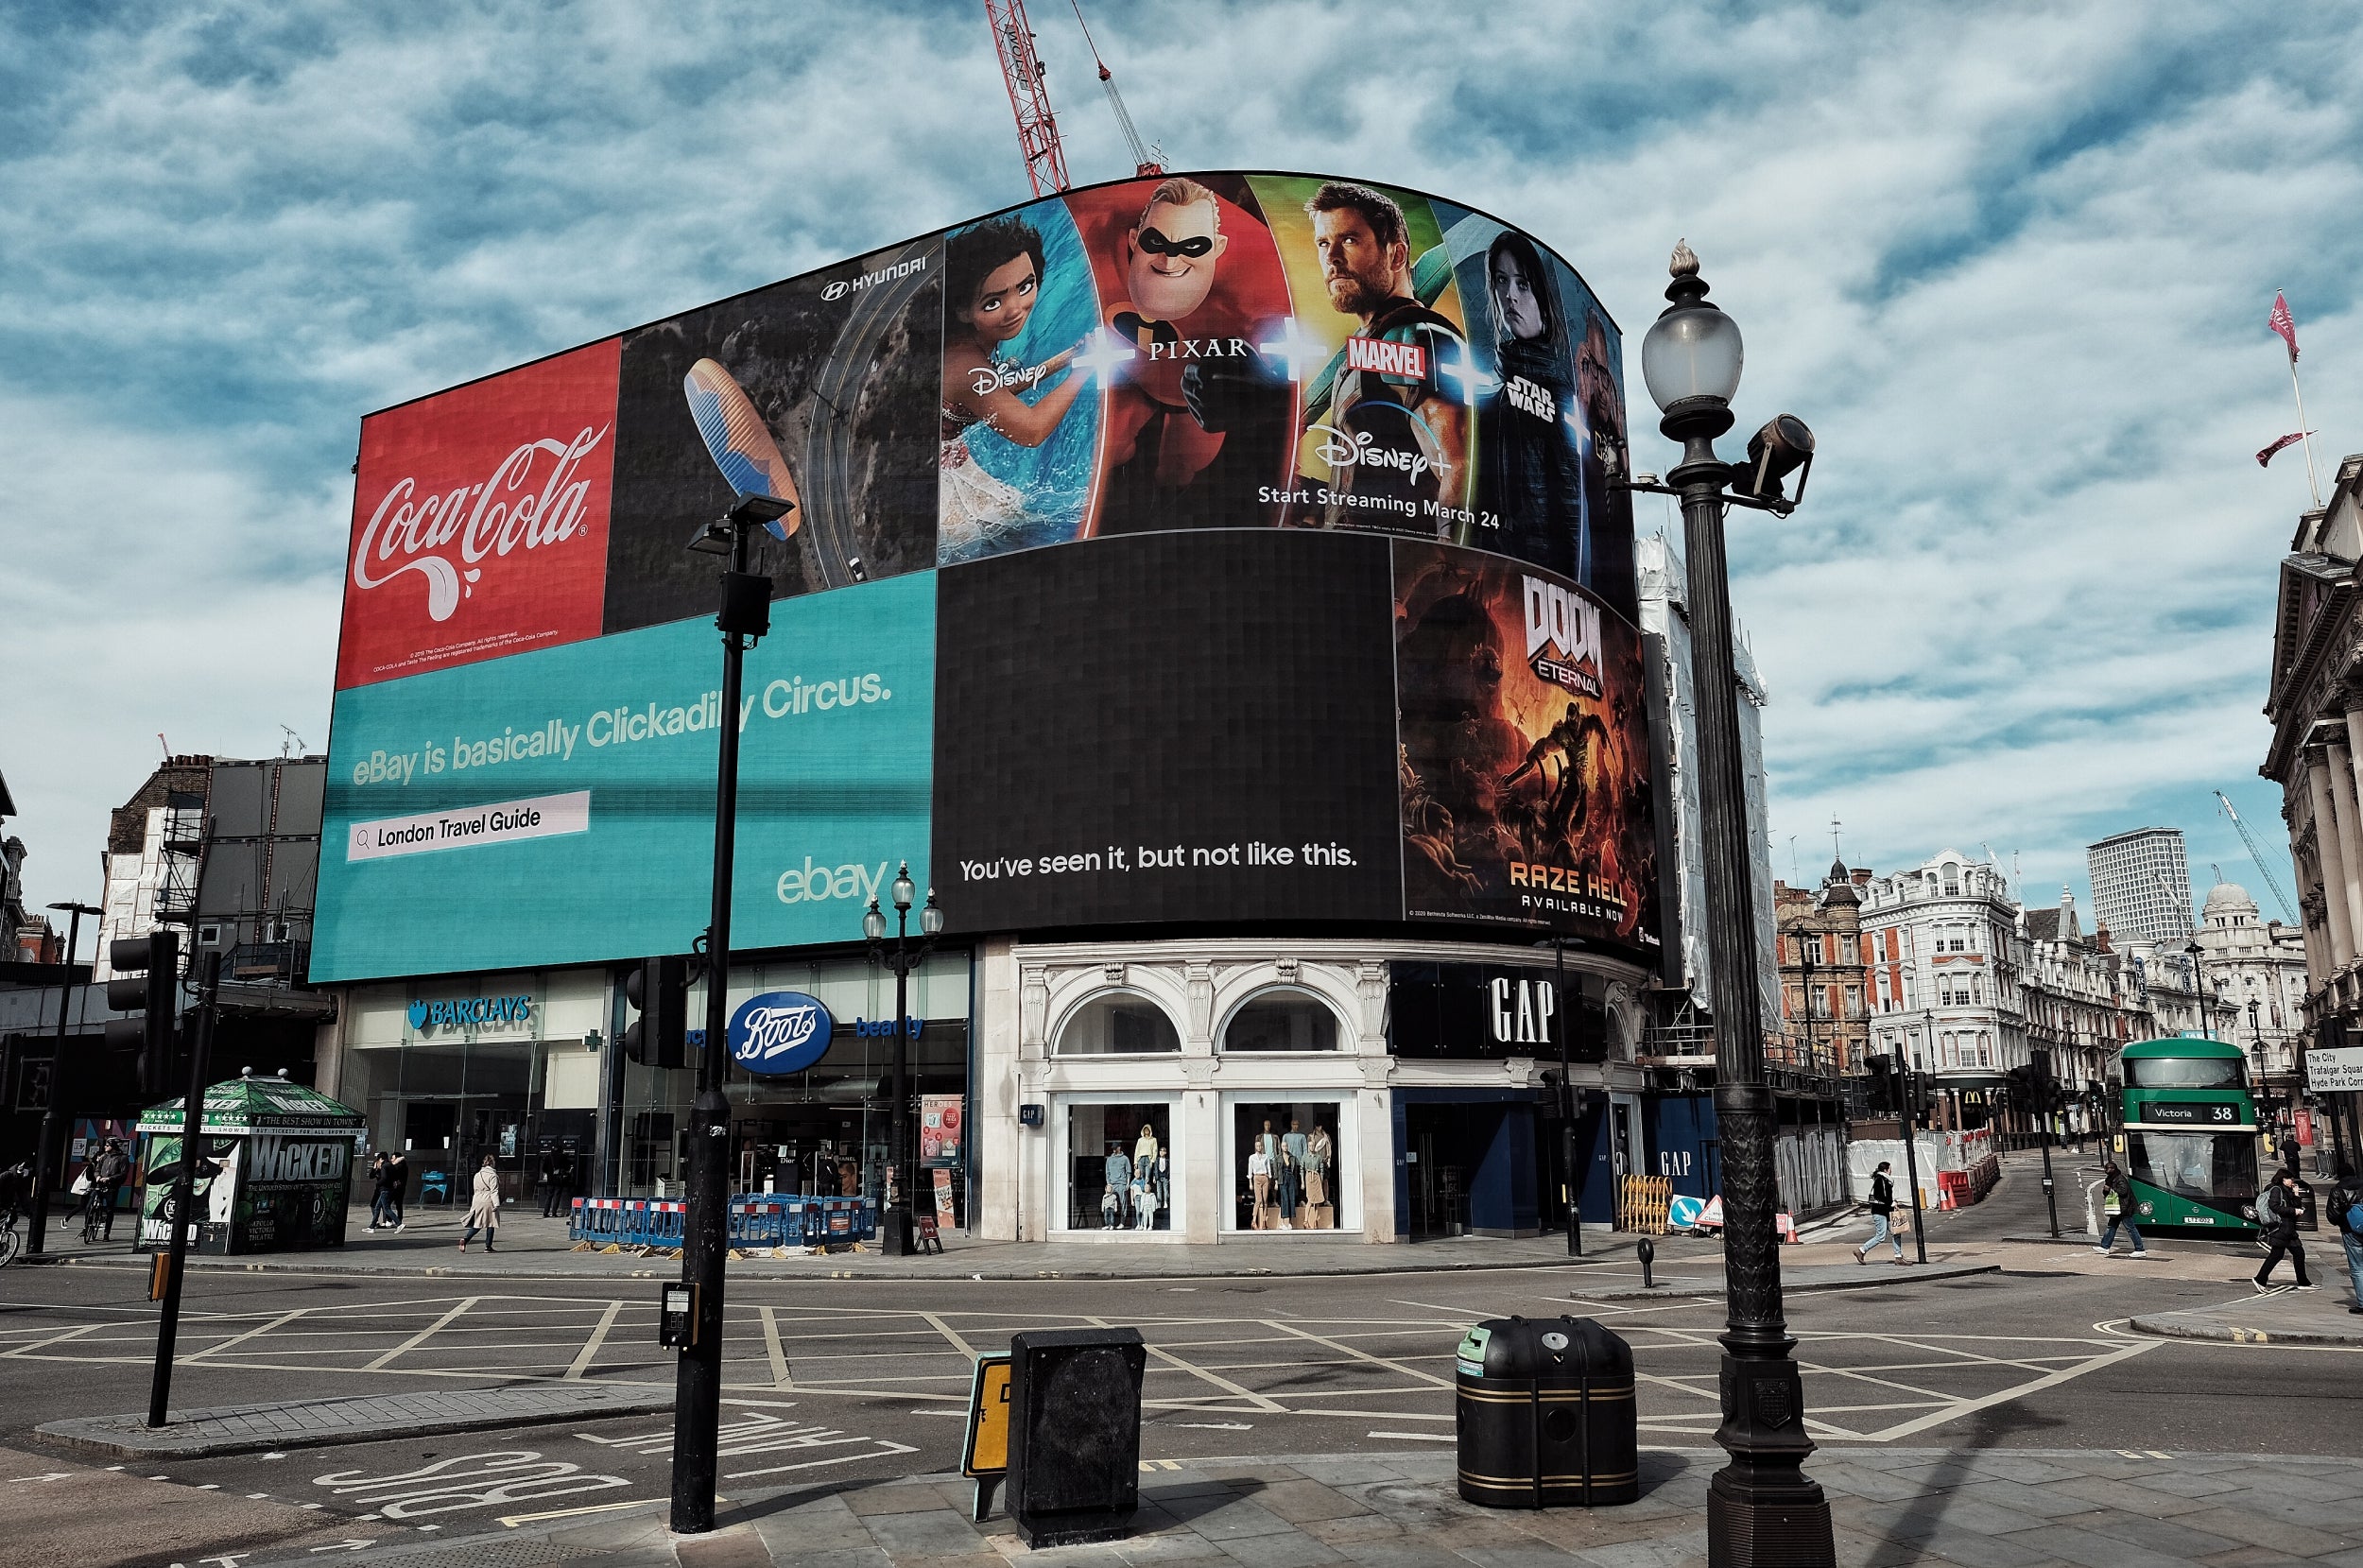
{"x": 2012, "y": 263}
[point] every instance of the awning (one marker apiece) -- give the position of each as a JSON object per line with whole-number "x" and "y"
{"x": 249, "y": 1104}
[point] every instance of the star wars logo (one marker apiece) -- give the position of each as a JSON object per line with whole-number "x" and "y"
{"x": 1562, "y": 637}
{"x": 1530, "y": 397}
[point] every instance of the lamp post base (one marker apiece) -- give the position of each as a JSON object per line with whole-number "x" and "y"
{"x": 894, "y": 1230}
{"x": 1763, "y": 1510}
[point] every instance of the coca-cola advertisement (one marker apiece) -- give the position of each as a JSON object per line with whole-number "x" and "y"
{"x": 480, "y": 521}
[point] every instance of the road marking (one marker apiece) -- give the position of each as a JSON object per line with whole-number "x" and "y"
{"x": 945, "y": 1329}
{"x": 53, "y": 1476}
{"x": 56, "y": 1339}
{"x": 884, "y": 1449}
{"x": 349, "y": 1545}
{"x": 513, "y": 1520}
{"x": 1970, "y": 1408}
{"x": 1415, "y": 1437}
{"x": 422, "y": 1336}
{"x": 773, "y": 1348}
{"x": 1216, "y": 1425}
{"x": 255, "y": 1333}
{"x": 591, "y": 1347}
{"x": 1261, "y": 1401}
{"x": 467, "y": 1481}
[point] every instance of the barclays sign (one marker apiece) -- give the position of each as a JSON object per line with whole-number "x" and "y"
{"x": 780, "y": 1032}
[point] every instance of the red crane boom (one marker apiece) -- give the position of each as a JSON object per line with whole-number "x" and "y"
{"x": 1021, "y": 69}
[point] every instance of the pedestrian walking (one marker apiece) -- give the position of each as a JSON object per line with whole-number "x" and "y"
{"x": 108, "y": 1173}
{"x": 2121, "y": 1188}
{"x": 397, "y": 1185}
{"x": 381, "y": 1192}
{"x": 1882, "y": 1206}
{"x": 2277, "y": 1214}
{"x": 2346, "y": 1212}
{"x": 484, "y": 1207}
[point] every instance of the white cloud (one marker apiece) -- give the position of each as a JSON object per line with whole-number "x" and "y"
{"x": 2010, "y": 262}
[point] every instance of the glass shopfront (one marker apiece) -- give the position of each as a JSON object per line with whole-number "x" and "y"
{"x": 1290, "y": 1169}
{"x": 1119, "y": 1165}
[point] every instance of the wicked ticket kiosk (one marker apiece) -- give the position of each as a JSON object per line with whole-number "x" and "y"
{"x": 275, "y": 1170}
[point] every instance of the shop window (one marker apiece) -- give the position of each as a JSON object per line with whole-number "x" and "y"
{"x": 1121, "y": 1167}
{"x": 1282, "y": 1021}
{"x": 1118, "y": 1023}
{"x": 1286, "y": 1167}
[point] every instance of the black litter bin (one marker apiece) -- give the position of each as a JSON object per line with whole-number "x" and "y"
{"x": 1544, "y": 1410}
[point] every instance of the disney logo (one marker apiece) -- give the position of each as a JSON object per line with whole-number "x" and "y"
{"x": 1341, "y": 450}
{"x": 992, "y": 378}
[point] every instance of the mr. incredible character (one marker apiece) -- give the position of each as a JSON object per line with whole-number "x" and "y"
{"x": 1396, "y": 431}
{"x": 1193, "y": 383}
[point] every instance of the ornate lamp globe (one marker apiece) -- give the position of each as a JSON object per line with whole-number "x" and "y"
{"x": 1691, "y": 358}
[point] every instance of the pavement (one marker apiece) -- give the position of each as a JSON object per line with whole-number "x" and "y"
{"x": 1959, "y": 1504}
{"x": 323, "y": 1422}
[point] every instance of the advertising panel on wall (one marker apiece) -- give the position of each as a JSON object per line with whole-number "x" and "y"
{"x": 558, "y": 807}
{"x": 1190, "y": 475}
{"x": 1182, "y": 726}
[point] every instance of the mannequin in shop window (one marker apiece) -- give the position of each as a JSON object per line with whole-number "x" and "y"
{"x": 1293, "y": 1147}
{"x": 1145, "y": 1150}
{"x": 1319, "y": 1154}
{"x": 1111, "y": 1206}
{"x": 1164, "y": 1189}
{"x": 1259, "y": 1185}
{"x": 1144, "y": 1197}
{"x": 1119, "y": 1177}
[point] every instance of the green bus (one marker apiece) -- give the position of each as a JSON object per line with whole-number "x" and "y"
{"x": 2190, "y": 1135}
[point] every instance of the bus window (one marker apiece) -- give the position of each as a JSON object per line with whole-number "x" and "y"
{"x": 2182, "y": 1072}
{"x": 2208, "y": 1167}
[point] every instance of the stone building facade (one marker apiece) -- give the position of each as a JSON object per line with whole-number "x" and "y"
{"x": 1825, "y": 974}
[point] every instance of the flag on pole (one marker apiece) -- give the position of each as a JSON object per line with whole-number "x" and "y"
{"x": 2292, "y": 438}
{"x": 2286, "y": 324}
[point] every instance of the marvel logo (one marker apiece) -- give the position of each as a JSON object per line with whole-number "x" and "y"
{"x": 1383, "y": 356}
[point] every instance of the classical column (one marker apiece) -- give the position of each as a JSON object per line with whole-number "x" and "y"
{"x": 2333, "y": 867}
{"x": 2342, "y": 804}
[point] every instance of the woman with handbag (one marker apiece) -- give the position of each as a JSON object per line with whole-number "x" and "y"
{"x": 484, "y": 1206}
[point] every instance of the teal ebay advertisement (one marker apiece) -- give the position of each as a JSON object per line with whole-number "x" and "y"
{"x": 557, "y": 806}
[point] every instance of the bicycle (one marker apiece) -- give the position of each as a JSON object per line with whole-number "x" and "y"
{"x": 14, "y": 1181}
{"x": 94, "y": 1218}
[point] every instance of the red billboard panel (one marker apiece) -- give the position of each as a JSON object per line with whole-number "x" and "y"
{"x": 480, "y": 520}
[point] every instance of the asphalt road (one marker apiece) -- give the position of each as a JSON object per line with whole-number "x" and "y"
{"x": 847, "y": 1381}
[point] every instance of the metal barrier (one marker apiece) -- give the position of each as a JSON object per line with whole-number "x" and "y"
{"x": 757, "y": 1220}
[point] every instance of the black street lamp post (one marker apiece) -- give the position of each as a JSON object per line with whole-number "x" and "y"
{"x": 52, "y": 1118}
{"x": 745, "y": 615}
{"x": 1761, "y": 1506}
{"x": 902, "y": 959}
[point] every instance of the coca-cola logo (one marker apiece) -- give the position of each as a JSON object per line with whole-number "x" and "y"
{"x": 534, "y": 497}
{"x": 779, "y": 1031}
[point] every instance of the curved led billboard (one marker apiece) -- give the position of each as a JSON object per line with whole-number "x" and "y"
{"x": 1233, "y": 546}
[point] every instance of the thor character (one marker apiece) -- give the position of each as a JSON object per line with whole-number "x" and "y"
{"x": 1396, "y": 435}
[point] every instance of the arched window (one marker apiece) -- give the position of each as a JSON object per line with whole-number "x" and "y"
{"x": 1282, "y": 1020}
{"x": 1118, "y": 1023}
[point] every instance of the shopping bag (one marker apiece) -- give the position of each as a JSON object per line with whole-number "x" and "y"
{"x": 81, "y": 1186}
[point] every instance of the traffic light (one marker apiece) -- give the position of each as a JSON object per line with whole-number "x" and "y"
{"x": 1886, "y": 1097}
{"x": 146, "y": 979}
{"x": 659, "y": 989}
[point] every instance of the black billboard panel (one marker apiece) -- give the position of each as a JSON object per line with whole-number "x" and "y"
{"x": 822, "y": 389}
{"x": 1170, "y": 727}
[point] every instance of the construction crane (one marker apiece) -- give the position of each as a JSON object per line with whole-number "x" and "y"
{"x": 2256, "y": 853}
{"x": 1029, "y": 101}
{"x": 1144, "y": 162}
{"x": 1021, "y": 69}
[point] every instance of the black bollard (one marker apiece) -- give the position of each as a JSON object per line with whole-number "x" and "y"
{"x": 1647, "y": 1254}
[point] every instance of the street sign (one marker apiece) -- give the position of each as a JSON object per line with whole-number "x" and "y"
{"x": 985, "y": 1454}
{"x": 2338, "y": 1071}
{"x": 986, "y": 1450}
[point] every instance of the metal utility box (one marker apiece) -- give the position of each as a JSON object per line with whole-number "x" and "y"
{"x": 1543, "y": 1411}
{"x": 1075, "y": 1434}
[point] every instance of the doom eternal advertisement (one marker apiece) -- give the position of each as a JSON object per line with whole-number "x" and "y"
{"x": 1526, "y": 762}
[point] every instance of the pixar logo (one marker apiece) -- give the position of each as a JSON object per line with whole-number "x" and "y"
{"x": 817, "y": 883}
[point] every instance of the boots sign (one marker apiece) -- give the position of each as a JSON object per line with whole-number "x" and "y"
{"x": 780, "y": 1032}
